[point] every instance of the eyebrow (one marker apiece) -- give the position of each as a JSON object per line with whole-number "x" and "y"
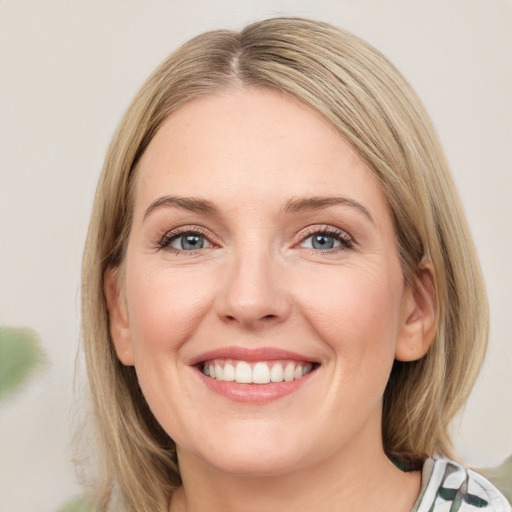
{"x": 187, "y": 203}
{"x": 293, "y": 205}
{"x": 314, "y": 203}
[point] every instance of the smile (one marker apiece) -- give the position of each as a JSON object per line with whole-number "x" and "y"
{"x": 255, "y": 372}
{"x": 254, "y": 376}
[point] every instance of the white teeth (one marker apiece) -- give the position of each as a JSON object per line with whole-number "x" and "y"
{"x": 229, "y": 372}
{"x": 276, "y": 374}
{"x": 307, "y": 369}
{"x": 243, "y": 373}
{"x": 256, "y": 373}
{"x": 219, "y": 372}
{"x": 261, "y": 373}
{"x": 289, "y": 372}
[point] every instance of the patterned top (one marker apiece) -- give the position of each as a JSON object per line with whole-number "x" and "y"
{"x": 449, "y": 487}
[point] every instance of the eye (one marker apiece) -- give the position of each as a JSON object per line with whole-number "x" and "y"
{"x": 185, "y": 241}
{"x": 327, "y": 240}
{"x": 189, "y": 242}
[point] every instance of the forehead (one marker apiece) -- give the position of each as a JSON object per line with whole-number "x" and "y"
{"x": 254, "y": 145}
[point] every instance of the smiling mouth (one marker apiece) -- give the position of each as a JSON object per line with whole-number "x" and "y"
{"x": 257, "y": 372}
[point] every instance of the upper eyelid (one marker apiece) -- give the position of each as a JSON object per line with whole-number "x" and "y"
{"x": 323, "y": 228}
{"x": 171, "y": 234}
{"x": 347, "y": 241}
{"x": 301, "y": 235}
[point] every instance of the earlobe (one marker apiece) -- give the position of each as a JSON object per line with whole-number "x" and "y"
{"x": 118, "y": 318}
{"x": 418, "y": 328}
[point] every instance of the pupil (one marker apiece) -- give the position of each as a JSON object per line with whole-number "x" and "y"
{"x": 192, "y": 242}
{"x": 323, "y": 242}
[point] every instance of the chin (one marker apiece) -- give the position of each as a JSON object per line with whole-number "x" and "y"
{"x": 253, "y": 463}
{"x": 252, "y": 455}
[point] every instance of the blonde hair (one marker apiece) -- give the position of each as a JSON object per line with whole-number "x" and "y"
{"x": 373, "y": 107}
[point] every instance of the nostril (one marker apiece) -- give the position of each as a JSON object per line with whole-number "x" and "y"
{"x": 231, "y": 317}
{"x": 251, "y": 322}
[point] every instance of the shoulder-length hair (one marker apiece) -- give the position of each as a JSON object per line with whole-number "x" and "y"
{"x": 374, "y": 108}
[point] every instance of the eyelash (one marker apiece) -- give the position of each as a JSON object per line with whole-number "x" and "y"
{"x": 344, "y": 238}
{"x": 170, "y": 236}
{"x": 346, "y": 241}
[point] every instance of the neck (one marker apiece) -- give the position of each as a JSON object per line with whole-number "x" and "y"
{"x": 351, "y": 479}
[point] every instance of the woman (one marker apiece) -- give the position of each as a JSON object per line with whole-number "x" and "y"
{"x": 282, "y": 305}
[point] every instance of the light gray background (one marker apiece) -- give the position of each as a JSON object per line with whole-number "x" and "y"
{"x": 68, "y": 71}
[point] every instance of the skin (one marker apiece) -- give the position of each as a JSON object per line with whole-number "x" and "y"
{"x": 258, "y": 282}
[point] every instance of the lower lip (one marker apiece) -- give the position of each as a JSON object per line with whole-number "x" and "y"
{"x": 253, "y": 393}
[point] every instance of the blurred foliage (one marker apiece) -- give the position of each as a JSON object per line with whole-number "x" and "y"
{"x": 501, "y": 477}
{"x": 78, "y": 505}
{"x": 20, "y": 356}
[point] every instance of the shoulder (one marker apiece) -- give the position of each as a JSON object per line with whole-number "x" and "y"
{"x": 448, "y": 486}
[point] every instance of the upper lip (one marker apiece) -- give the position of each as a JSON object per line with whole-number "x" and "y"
{"x": 250, "y": 354}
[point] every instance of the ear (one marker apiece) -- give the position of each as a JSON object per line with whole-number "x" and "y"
{"x": 418, "y": 327}
{"x": 118, "y": 318}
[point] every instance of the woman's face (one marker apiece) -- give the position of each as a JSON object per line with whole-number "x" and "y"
{"x": 261, "y": 250}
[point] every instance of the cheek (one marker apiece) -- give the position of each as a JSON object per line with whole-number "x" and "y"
{"x": 357, "y": 312}
{"x": 164, "y": 309}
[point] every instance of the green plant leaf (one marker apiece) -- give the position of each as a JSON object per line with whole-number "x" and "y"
{"x": 500, "y": 477}
{"x": 20, "y": 356}
{"x": 78, "y": 505}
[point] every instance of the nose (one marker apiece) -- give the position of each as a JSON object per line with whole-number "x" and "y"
{"x": 254, "y": 295}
